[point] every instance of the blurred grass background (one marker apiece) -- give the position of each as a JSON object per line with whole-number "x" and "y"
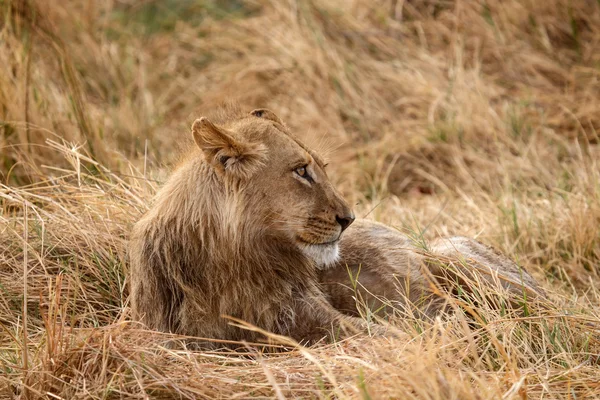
{"x": 478, "y": 118}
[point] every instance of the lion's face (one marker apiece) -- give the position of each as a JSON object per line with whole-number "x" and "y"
{"x": 284, "y": 184}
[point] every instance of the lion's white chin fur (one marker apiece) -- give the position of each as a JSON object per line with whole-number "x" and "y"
{"x": 324, "y": 255}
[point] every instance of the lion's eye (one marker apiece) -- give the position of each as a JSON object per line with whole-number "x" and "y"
{"x": 302, "y": 172}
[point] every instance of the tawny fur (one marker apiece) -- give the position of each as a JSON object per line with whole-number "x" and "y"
{"x": 247, "y": 227}
{"x": 237, "y": 231}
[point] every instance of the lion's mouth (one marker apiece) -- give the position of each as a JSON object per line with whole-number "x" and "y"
{"x": 324, "y": 244}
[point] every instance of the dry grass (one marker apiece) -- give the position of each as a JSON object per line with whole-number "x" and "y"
{"x": 442, "y": 117}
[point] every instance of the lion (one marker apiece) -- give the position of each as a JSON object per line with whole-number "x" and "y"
{"x": 250, "y": 228}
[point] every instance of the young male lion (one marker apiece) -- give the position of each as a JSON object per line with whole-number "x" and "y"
{"x": 239, "y": 230}
{"x": 243, "y": 228}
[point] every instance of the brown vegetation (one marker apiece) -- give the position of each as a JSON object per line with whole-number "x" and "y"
{"x": 442, "y": 118}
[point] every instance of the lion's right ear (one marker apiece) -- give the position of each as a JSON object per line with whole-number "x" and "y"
{"x": 225, "y": 153}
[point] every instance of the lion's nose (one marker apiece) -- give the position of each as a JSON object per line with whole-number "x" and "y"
{"x": 345, "y": 221}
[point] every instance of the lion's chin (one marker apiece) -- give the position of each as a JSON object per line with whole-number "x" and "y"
{"x": 324, "y": 255}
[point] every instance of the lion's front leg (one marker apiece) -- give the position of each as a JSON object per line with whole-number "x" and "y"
{"x": 316, "y": 319}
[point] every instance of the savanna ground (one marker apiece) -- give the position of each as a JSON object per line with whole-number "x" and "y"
{"x": 478, "y": 118}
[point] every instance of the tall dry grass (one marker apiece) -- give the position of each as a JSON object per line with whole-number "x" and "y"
{"x": 439, "y": 117}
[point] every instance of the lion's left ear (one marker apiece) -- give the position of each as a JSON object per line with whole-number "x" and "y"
{"x": 225, "y": 153}
{"x": 266, "y": 114}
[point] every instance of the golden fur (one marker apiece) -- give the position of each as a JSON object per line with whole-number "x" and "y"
{"x": 239, "y": 230}
{"x": 247, "y": 226}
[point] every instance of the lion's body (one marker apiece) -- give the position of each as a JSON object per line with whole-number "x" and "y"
{"x": 379, "y": 263}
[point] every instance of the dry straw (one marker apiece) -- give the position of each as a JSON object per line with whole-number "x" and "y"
{"x": 438, "y": 117}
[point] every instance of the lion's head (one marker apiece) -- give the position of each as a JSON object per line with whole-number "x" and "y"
{"x": 281, "y": 184}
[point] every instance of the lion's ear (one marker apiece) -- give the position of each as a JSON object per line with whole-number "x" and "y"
{"x": 266, "y": 114}
{"x": 224, "y": 152}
